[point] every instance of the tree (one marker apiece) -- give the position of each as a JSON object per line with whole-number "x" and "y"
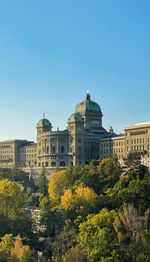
{"x": 79, "y": 204}
{"x": 11, "y": 200}
{"x": 6, "y": 244}
{"x": 75, "y": 254}
{"x": 133, "y": 162}
{"x": 62, "y": 243}
{"x": 130, "y": 190}
{"x": 22, "y": 252}
{"x": 133, "y": 233}
{"x": 98, "y": 237}
{"x": 13, "y": 174}
{"x": 109, "y": 172}
{"x": 58, "y": 183}
{"x": 50, "y": 218}
{"x": 42, "y": 183}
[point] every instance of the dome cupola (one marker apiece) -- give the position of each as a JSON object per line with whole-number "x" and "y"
{"x": 43, "y": 122}
{"x": 87, "y": 106}
{"x": 75, "y": 117}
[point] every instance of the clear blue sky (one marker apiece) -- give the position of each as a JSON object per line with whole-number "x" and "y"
{"x": 53, "y": 51}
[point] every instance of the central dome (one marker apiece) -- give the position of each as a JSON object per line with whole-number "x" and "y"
{"x": 87, "y": 105}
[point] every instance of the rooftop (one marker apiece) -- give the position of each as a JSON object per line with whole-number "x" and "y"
{"x": 136, "y": 126}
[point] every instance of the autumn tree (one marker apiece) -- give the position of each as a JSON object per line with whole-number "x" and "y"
{"x": 11, "y": 200}
{"x": 79, "y": 204}
{"x": 22, "y": 252}
{"x": 6, "y": 244}
{"x": 58, "y": 183}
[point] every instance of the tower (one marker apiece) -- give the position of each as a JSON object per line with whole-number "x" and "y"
{"x": 76, "y": 131}
{"x": 43, "y": 144}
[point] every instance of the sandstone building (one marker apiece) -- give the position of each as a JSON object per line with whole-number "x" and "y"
{"x": 83, "y": 140}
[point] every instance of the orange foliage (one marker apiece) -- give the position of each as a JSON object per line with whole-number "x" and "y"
{"x": 21, "y": 252}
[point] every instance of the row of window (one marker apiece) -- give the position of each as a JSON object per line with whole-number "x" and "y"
{"x": 118, "y": 150}
{"x": 6, "y": 152}
{"x": 104, "y": 151}
{"x": 118, "y": 143}
{"x": 6, "y": 156}
{"x": 104, "y": 145}
{"x": 137, "y": 148}
{"x": 138, "y": 140}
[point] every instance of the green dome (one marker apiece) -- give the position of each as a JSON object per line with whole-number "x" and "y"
{"x": 44, "y": 122}
{"x": 87, "y": 105}
{"x": 75, "y": 117}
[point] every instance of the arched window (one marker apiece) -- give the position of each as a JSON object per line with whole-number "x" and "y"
{"x": 62, "y": 163}
{"x": 53, "y": 163}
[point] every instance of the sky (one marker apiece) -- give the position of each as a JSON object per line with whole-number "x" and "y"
{"x": 53, "y": 51}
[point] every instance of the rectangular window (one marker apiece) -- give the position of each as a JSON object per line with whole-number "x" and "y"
{"x": 62, "y": 149}
{"x": 54, "y": 149}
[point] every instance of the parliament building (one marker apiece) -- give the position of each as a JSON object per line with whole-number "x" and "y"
{"x": 84, "y": 139}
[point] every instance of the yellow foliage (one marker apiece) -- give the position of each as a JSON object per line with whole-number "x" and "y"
{"x": 16, "y": 250}
{"x": 6, "y": 244}
{"x": 67, "y": 199}
{"x": 57, "y": 185}
{"x": 85, "y": 193}
{"x": 82, "y": 195}
{"x": 11, "y": 199}
{"x": 22, "y": 252}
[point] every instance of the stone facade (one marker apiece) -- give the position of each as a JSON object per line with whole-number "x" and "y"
{"x": 83, "y": 140}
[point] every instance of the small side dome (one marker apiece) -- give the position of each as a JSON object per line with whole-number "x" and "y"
{"x": 44, "y": 122}
{"x": 75, "y": 116}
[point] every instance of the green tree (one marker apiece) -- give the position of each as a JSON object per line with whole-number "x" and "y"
{"x": 129, "y": 190}
{"x": 98, "y": 237}
{"x": 109, "y": 172}
{"x": 42, "y": 183}
{"x": 13, "y": 174}
{"x": 50, "y": 218}
{"x": 133, "y": 162}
